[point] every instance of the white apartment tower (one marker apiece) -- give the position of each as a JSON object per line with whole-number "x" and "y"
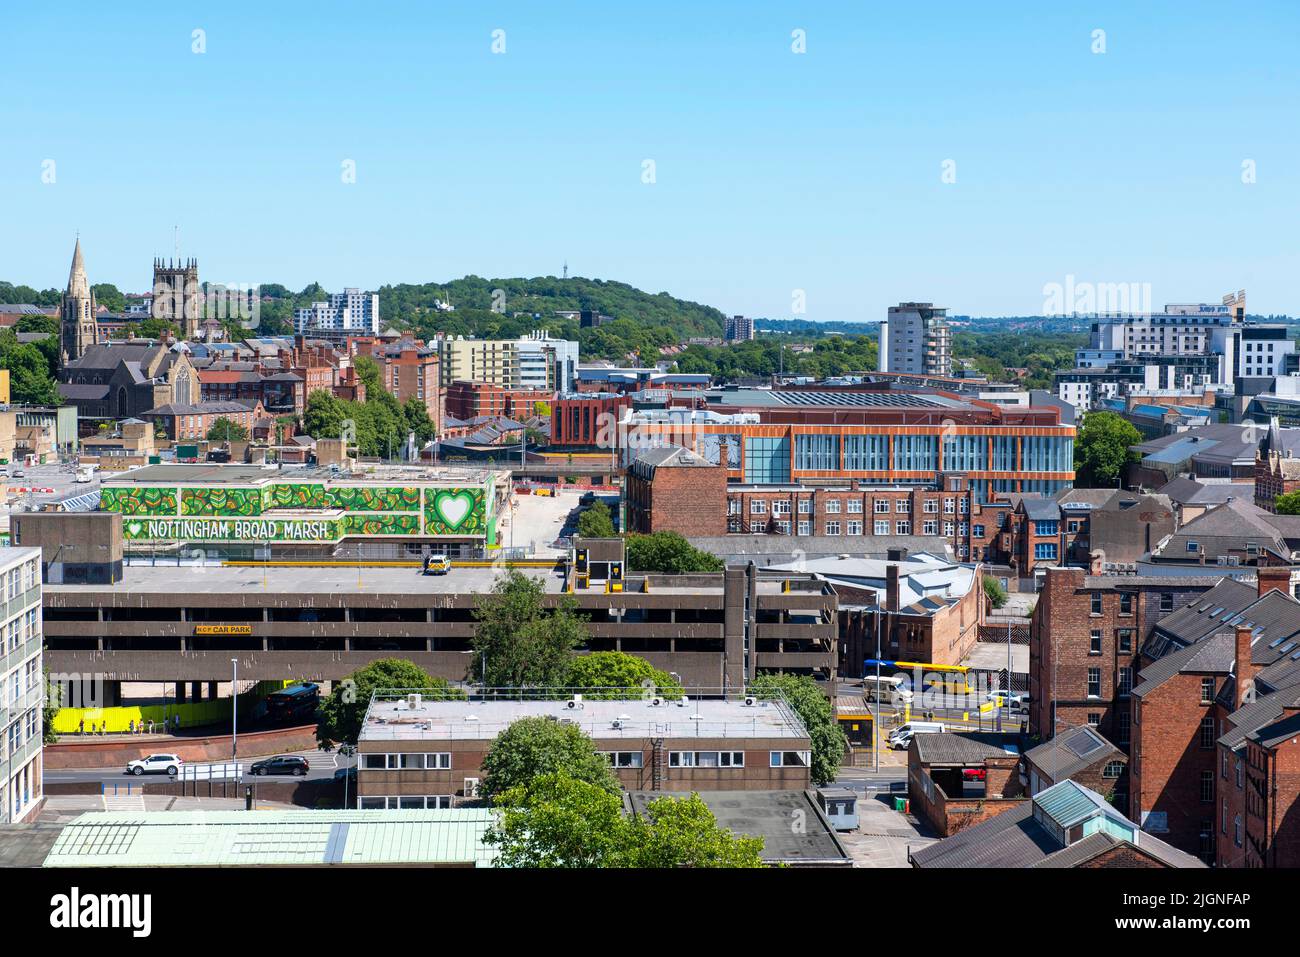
{"x": 916, "y": 338}
{"x": 22, "y": 684}
{"x": 350, "y": 311}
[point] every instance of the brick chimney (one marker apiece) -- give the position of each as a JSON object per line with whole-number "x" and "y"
{"x": 1244, "y": 670}
{"x": 891, "y": 587}
{"x": 1274, "y": 577}
{"x": 723, "y": 454}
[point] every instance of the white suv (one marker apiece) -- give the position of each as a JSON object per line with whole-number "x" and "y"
{"x": 155, "y": 764}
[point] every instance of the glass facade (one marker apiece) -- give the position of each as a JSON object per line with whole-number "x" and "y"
{"x": 817, "y": 452}
{"x": 767, "y": 460}
{"x": 965, "y": 453}
{"x": 866, "y": 453}
{"x": 916, "y": 453}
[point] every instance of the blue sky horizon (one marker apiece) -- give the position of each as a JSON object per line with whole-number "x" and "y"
{"x": 964, "y": 156}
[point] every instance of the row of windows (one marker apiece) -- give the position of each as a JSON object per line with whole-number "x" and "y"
{"x": 404, "y": 761}
{"x": 406, "y": 802}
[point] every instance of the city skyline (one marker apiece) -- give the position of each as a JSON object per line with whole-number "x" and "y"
{"x": 779, "y": 177}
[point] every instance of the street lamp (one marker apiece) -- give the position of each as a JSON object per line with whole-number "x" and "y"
{"x": 234, "y": 710}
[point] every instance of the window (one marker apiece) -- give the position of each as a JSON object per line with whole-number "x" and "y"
{"x": 1094, "y": 642}
{"x": 832, "y": 528}
{"x": 783, "y": 528}
{"x": 977, "y": 531}
{"x": 1113, "y": 769}
{"x": 1045, "y": 528}
{"x": 854, "y": 506}
{"x": 902, "y": 506}
{"x": 789, "y": 759}
{"x": 931, "y": 506}
{"x": 1125, "y": 682}
{"x": 854, "y": 528}
{"x": 1207, "y": 733}
{"x": 930, "y": 527}
{"x": 706, "y": 759}
{"x": 406, "y": 761}
{"x": 832, "y": 506}
{"x": 949, "y": 505}
{"x": 1236, "y": 830}
{"x": 903, "y": 528}
{"x": 1094, "y": 682}
{"x": 1094, "y": 718}
{"x": 947, "y": 529}
{"x": 1225, "y": 765}
{"x": 805, "y": 528}
{"x": 781, "y": 507}
{"x": 1126, "y": 603}
{"x": 881, "y": 506}
{"x": 624, "y": 759}
{"x": 1045, "y": 552}
{"x": 1192, "y": 547}
{"x": 805, "y": 506}
{"x": 1240, "y": 779}
{"x": 881, "y": 527}
{"x": 1207, "y": 787}
{"x": 1207, "y": 691}
{"x": 758, "y": 506}
{"x": 1096, "y": 603}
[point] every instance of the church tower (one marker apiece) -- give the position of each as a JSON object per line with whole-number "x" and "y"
{"x": 176, "y": 295}
{"x": 78, "y": 311}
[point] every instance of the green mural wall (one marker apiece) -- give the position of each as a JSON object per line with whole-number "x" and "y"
{"x": 139, "y": 501}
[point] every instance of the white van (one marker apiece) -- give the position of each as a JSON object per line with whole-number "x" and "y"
{"x": 887, "y": 689}
{"x": 901, "y": 736}
{"x": 1016, "y": 702}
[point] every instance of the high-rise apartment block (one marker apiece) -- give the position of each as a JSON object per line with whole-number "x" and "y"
{"x": 739, "y": 329}
{"x": 916, "y": 338}
{"x": 350, "y": 312}
{"x": 22, "y": 684}
{"x": 535, "y": 361}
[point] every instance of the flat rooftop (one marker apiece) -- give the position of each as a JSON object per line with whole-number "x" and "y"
{"x": 196, "y": 579}
{"x": 638, "y": 719}
{"x": 213, "y": 473}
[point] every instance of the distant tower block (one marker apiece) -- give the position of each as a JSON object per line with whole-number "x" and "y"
{"x": 177, "y": 297}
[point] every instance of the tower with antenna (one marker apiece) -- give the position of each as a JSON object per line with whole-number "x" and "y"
{"x": 566, "y": 269}
{"x": 177, "y": 297}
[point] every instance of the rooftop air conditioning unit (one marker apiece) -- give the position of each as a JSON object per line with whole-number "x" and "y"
{"x": 656, "y": 702}
{"x": 413, "y": 701}
{"x": 574, "y": 703}
{"x": 683, "y": 701}
{"x": 470, "y": 789}
{"x": 617, "y": 725}
{"x": 750, "y": 701}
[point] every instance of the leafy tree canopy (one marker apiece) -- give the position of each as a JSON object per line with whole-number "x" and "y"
{"x": 816, "y": 712}
{"x": 668, "y": 553}
{"x": 518, "y": 640}
{"x": 226, "y": 430}
{"x": 1101, "y": 449}
{"x": 341, "y": 714}
{"x": 595, "y": 521}
{"x": 532, "y": 747}
{"x": 615, "y": 674}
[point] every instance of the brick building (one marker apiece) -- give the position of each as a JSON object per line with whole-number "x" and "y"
{"x": 410, "y": 371}
{"x": 1276, "y": 473}
{"x": 417, "y": 752}
{"x": 191, "y": 422}
{"x": 469, "y": 400}
{"x": 1083, "y": 756}
{"x": 672, "y": 489}
{"x": 946, "y": 796}
{"x": 1085, "y": 639}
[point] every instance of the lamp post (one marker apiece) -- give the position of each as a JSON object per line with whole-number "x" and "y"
{"x": 234, "y": 710}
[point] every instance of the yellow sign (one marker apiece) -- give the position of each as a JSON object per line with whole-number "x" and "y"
{"x": 223, "y": 629}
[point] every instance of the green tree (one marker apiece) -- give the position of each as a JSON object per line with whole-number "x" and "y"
{"x": 1101, "y": 449}
{"x": 557, "y": 821}
{"x": 816, "y": 712}
{"x": 595, "y": 521}
{"x": 225, "y": 430}
{"x": 670, "y": 553}
{"x": 50, "y": 710}
{"x": 532, "y": 747}
{"x": 341, "y": 714}
{"x": 517, "y": 641}
{"x": 324, "y": 415}
{"x": 1288, "y": 504}
{"x": 616, "y": 674}
{"x": 30, "y": 377}
{"x": 108, "y": 296}
{"x": 994, "y": 592}
{"x": 682, "y": 832}
{"x": 417, "y": 419}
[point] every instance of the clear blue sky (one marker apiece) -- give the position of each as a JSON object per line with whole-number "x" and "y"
{"x": 775, "y": 171}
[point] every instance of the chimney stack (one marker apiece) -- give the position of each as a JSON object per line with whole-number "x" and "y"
{"x": 1244, "y": 670}
{"x": 891, "y": 587}
{"x": 1274, "y": 577}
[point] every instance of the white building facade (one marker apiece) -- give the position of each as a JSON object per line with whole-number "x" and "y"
{"x": 22, "y": 684}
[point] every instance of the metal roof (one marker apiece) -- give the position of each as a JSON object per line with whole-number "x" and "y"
{"x": 274, "y": 838}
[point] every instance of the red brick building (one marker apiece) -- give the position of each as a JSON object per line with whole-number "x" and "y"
{"x": 410, "y": 371}
{"x": 469, "y": 400}
{"x": 1275, "y": 474}
{"x": 192, "y": 422}
{"x": 673, "y": 489}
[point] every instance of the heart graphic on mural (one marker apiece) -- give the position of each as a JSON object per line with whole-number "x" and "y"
{"x": 135, "y": 528}
{"x": 453, "y": 507}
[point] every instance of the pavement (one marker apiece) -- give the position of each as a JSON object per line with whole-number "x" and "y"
{"x": 538, "y": 520}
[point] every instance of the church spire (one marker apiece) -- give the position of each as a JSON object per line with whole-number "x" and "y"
{"x": 78, "y": 284}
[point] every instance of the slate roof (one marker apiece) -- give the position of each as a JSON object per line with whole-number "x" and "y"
{"x": 75, "y": 390}
{"x": 964, "y": 747}
{"x": 1212, "y": 655}
{"x": 1016, "y": 839}
{"x": 1070, "y": 752}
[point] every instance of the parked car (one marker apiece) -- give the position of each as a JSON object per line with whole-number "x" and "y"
{"x": 346, "y": 774}
{"x": 1014, "y": 701}
{"x": 155, "y": 764}
{"x": 294, "y": 764}
{"x": 901, "y": 737}
{"x": 437, "y": 564}
{"x": 972, "y": 774}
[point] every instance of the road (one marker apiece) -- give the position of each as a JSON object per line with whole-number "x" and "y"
{"x": 323, "y": 765}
